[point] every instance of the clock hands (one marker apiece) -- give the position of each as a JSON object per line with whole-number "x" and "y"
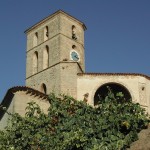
{"x": 76, "y": 56}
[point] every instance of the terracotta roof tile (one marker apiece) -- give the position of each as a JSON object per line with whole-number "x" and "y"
{"x": 10, "y": 93}
{"x": 115, "y": 74}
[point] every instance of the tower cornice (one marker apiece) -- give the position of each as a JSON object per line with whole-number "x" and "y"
{"x": 57, "y": 64}
{"x": 51, "y": 16}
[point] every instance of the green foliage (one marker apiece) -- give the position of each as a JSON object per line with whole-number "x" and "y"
{"x": 74, "y": 125}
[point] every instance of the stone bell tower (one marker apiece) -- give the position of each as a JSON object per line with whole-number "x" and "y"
{"x": 55, "y": 54}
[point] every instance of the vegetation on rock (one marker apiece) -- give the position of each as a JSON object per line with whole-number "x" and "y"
{"x": 74, "y": 125}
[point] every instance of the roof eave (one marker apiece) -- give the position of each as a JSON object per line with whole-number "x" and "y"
{"x": 52, "y": 15}
{"x": 117, "y": 74}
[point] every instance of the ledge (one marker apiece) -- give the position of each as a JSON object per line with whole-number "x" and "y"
{"x": 114, "y": 74}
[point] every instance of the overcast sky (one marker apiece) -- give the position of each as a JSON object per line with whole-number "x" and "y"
{"x": 117, "y": 38}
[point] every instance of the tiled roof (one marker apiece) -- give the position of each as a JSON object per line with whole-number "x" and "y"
{"x": 115, "y": 74}
{"x": 29, "y": 90}
{"x": 10, "y": 93}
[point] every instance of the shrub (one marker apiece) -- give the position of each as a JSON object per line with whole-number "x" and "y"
{"x": 74, "y": 125}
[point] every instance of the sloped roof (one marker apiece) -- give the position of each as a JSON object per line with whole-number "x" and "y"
{"x": 10, "y": 94}
{"x": 115, "y": 74}
{"x": 52, "y": 15}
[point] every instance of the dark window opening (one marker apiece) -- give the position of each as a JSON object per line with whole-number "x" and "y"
{"x": 74, "y": 33}
{"x": 102, "y": 92}
{"x": 47, "y": 31}
{"x": 43, "y": 89}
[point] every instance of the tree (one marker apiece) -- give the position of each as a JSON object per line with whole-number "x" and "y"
{"x": 74, "y": 125}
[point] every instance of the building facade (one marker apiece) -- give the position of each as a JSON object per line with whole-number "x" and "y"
{"x": 55, "y": 62}
{"x": 55, "y": 54}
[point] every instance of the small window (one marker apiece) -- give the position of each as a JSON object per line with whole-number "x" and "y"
{"x": 73, "y": 28}
{"x": 43, "y": 88}
{"x": 74, "y": 33}
{"x": 46, "y": 33}
{"x": 35, "y": 62}
{"x": 35, "y": 39}
{"x": 46, "y": 57}
{"x": 73, "y": 47}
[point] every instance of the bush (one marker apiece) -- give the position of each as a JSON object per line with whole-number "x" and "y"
{"x": 74, "y": 125}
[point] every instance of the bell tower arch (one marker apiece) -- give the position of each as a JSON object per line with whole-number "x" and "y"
{"x": 59, "y": 42}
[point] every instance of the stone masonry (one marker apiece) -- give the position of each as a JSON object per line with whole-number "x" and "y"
{"x": 55, "y": 62}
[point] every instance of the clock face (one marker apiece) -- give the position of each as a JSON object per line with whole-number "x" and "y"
{"x": 74, "y": 56}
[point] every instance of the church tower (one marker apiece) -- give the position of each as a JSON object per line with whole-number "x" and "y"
{"x": 55, "y": 54}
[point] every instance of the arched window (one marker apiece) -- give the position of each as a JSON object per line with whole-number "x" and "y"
{"x": 35, "y": 62}
{"x": 46, "y": 33}
{"x": 43, "y": 88}
{"x": 35, "y": 39}
{"x": 102, "y": 92}
{"x": 46, "y": 57}
{"x": 74, "y": 32}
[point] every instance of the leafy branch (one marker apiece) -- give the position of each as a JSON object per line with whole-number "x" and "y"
{"x": 74, "y": 125}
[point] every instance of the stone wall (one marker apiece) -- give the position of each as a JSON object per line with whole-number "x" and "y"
{"x": 138, "y": 86}
{"x": 69, "y": 78}
{"x": 60, "y": 76}
{"x": 50, "y": 77}
{"x": 19, "y": 103}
